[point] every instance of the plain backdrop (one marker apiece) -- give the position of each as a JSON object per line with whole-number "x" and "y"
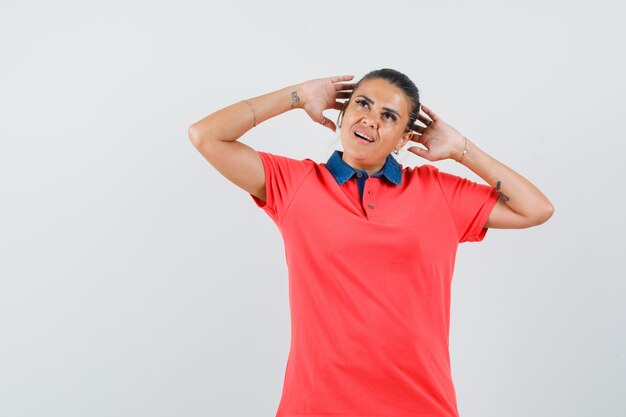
{"x": 135, "y": 280}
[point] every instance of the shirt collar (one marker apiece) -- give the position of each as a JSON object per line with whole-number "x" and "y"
{"x": 343, "y": 172}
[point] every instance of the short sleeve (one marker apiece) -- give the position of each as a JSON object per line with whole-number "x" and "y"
{"x": 283, "y": 176}
{"x": 470, "y": 204}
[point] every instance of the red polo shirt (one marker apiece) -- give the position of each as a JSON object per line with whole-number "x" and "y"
{"x": 369, "y": 285}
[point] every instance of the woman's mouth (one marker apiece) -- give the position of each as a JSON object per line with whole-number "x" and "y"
{"x": 362, "y": 137}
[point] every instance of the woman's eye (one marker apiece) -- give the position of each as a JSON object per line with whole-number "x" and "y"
{"x": 363, "y": 103}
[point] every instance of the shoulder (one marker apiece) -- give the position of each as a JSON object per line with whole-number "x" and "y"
{"x": 421, "y": 172}
{"x": 286, "y": 161}
{"x": 420, "y": 169}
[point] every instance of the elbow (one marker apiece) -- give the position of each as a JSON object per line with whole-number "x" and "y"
{"x": 201, "y": 136}
{"x": 544, "y": 215}
{"x": 194, "y": 135}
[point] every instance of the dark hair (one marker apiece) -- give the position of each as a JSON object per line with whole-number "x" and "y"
{"x": 398, "y": 79}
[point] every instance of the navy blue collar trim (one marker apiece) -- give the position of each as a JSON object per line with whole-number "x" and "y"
{"x": 342, "y": 172}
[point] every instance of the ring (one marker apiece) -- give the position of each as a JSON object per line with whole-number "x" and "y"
{"x": 323, "y": 120}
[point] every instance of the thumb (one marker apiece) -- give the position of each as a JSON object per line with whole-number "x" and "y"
{"x": 321, "y": 119}
{"x": 424, "y": 153}
{"x": 329, "y": 124}
{"x": 316, "y": 115}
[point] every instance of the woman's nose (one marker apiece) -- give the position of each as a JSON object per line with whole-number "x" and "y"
{"x": 369, "y": 121}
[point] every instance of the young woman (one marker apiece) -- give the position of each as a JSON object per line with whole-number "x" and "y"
{"x": 370, "y": 245}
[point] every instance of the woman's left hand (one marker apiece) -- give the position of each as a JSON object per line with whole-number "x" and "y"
{"x": 441, "y": 140}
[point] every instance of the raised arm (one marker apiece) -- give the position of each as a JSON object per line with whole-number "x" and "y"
{"x": 520, "y": 205}
{"x": 215, "y": 136}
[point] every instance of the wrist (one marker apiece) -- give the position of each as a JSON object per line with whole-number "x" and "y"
{"x": 463, "y": 150}
{"x": 295, "y": 98}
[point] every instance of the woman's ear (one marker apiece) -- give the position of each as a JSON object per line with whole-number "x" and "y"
{"x": 407, "y": 136}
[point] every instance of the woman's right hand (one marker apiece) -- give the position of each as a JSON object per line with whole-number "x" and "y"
{"x": 322, "y": 94}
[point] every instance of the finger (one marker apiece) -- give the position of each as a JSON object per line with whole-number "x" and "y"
{"x": 430, "y": 113}
{"x": 342, "y": 87}
{"x": 338, "y": 105}
{"x": 336, "y": 79}
{"x": 424, "y": 119}
{"x": 419, "y": 129}
{"x": 419, "y": 139}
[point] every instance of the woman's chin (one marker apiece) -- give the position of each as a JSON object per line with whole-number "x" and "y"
{"x": 357, "y": 152}
{"x": 357, "y": 157}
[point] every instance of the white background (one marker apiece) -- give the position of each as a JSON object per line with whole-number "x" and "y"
{"x": 135, "y": 280}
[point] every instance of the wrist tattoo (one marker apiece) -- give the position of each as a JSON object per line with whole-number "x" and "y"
{"x": 294, "y": 98}
{"x": 504, "y": 197}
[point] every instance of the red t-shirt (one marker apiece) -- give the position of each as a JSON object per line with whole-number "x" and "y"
{"x": 369, "y": 286}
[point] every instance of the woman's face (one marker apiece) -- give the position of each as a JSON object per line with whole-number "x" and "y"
{"x": 380, "y": 111}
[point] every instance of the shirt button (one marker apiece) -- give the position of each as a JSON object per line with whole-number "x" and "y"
{"x": 371, "y": 206}
{"x": 359, "y": 175}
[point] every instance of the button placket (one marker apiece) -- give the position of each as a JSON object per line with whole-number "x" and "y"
{"x": 368, "y": 197}
{"x": 361, "y": 180}
{"x": 370, "y": 201}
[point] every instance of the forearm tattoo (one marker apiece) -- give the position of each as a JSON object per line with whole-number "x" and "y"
{"x": 294, "y": 98}
{"x": 504, "y": 197}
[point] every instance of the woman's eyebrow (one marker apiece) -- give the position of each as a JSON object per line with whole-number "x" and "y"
{"x": 370, "y": 101}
